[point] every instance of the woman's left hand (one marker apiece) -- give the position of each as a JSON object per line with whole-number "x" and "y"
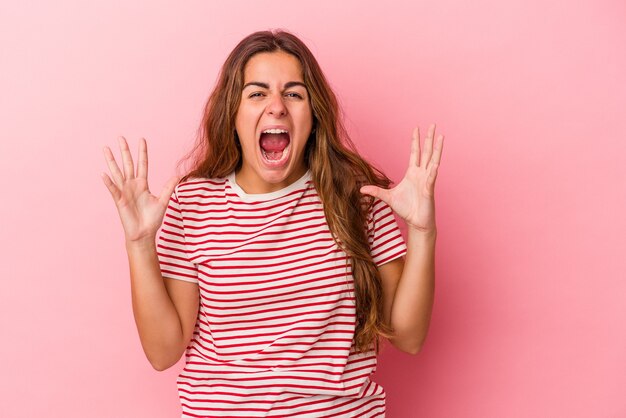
{"x": 413, "y": 199}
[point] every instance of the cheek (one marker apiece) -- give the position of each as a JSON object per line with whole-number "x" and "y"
{"x": 246, "y": 117}
{"x": 246, "y": 124}
{"x": 303, "y": 116}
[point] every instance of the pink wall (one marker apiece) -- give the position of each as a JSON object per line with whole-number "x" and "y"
{"x": 529, "y": 318}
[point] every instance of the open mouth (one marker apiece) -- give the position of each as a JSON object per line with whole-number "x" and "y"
{"x": 275, "y": 145}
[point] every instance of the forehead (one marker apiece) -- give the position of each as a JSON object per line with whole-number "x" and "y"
{"x": 272, "y": 67}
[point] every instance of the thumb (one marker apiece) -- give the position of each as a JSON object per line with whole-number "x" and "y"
{"x": 168, "y": 189}
{"x": 382, "y": 194}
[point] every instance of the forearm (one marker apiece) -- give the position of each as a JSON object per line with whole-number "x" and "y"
{"x": 157, "y": 320}
{"x": 413, "y": 300}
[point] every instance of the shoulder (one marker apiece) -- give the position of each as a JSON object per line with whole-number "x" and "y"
{"x": 194, "y": 188}
{"x": 377, "y": 210}
{"x": 381, "y": 222}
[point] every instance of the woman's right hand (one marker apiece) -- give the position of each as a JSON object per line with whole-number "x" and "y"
{"x": 140, "y": 211}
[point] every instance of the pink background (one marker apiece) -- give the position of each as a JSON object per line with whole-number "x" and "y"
{"x": 529, "y": 318}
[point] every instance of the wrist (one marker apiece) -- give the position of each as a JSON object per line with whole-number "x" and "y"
{"x": 424, "y": 234}
{"x": 142, "y": 244}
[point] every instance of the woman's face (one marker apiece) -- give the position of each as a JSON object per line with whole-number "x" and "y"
{"x": 273, "y": 97}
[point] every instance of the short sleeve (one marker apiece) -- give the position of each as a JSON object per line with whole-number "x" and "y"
{"x": 171, "y": 246}
{"x": 386, "y": 241}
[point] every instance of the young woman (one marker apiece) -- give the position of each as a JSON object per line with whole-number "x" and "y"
{"x": 279, "y": 263}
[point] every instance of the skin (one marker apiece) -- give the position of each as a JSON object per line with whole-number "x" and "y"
{"x": 409, "y": 283}
{"x": 274, "y": 105}
{"x": 166, "y": 310}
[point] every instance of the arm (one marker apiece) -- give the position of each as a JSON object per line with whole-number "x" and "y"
{"x": 408, "y": 292}
{"x": 408, "y": 286}
{"x": 165, "y": 312}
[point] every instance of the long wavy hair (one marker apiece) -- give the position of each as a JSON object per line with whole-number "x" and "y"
{"x": 337, "y": 170}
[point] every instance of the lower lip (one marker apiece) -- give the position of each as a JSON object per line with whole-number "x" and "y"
{"x": 281, "y": 162}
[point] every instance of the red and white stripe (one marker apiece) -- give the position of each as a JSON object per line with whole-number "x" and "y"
{"x": 277, "y": 309}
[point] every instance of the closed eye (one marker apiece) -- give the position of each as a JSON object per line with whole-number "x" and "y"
{"x": 292, "y": 94}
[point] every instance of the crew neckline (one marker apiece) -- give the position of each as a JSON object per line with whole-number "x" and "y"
{"x": 301, "y": 182}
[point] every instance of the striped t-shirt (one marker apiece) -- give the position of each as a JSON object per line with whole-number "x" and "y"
{"x": 276, "y": 318}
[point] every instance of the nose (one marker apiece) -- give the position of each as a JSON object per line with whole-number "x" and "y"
{"x": 276, "y": 107}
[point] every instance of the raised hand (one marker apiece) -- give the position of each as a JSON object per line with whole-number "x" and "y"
{"x": 140, "y": 211}
{"x": 413, "y": 199}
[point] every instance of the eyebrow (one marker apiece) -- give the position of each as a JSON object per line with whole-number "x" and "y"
{"x": 266, "y": 86}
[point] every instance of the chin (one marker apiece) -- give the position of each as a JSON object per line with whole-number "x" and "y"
{"x": 276, "y": 176}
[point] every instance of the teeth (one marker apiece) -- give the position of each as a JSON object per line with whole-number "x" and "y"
{"x": 275, "y": 131}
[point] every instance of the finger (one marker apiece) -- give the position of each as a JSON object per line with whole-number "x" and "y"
{"x": 168, "y": 189}
{"x": 382, "y": 194}
{"x": 435, "y": 160}
{"x": 438, "y": 149}
{"x": 115, "y": 170}
{"x": 115, "y": 192}
{"x": 415, "y": 148}
{"x": 428, "y": 146}
{"x": 127, "y": 158}
{"x": 430, "y": 181}
{"x": 142, "y": 162}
